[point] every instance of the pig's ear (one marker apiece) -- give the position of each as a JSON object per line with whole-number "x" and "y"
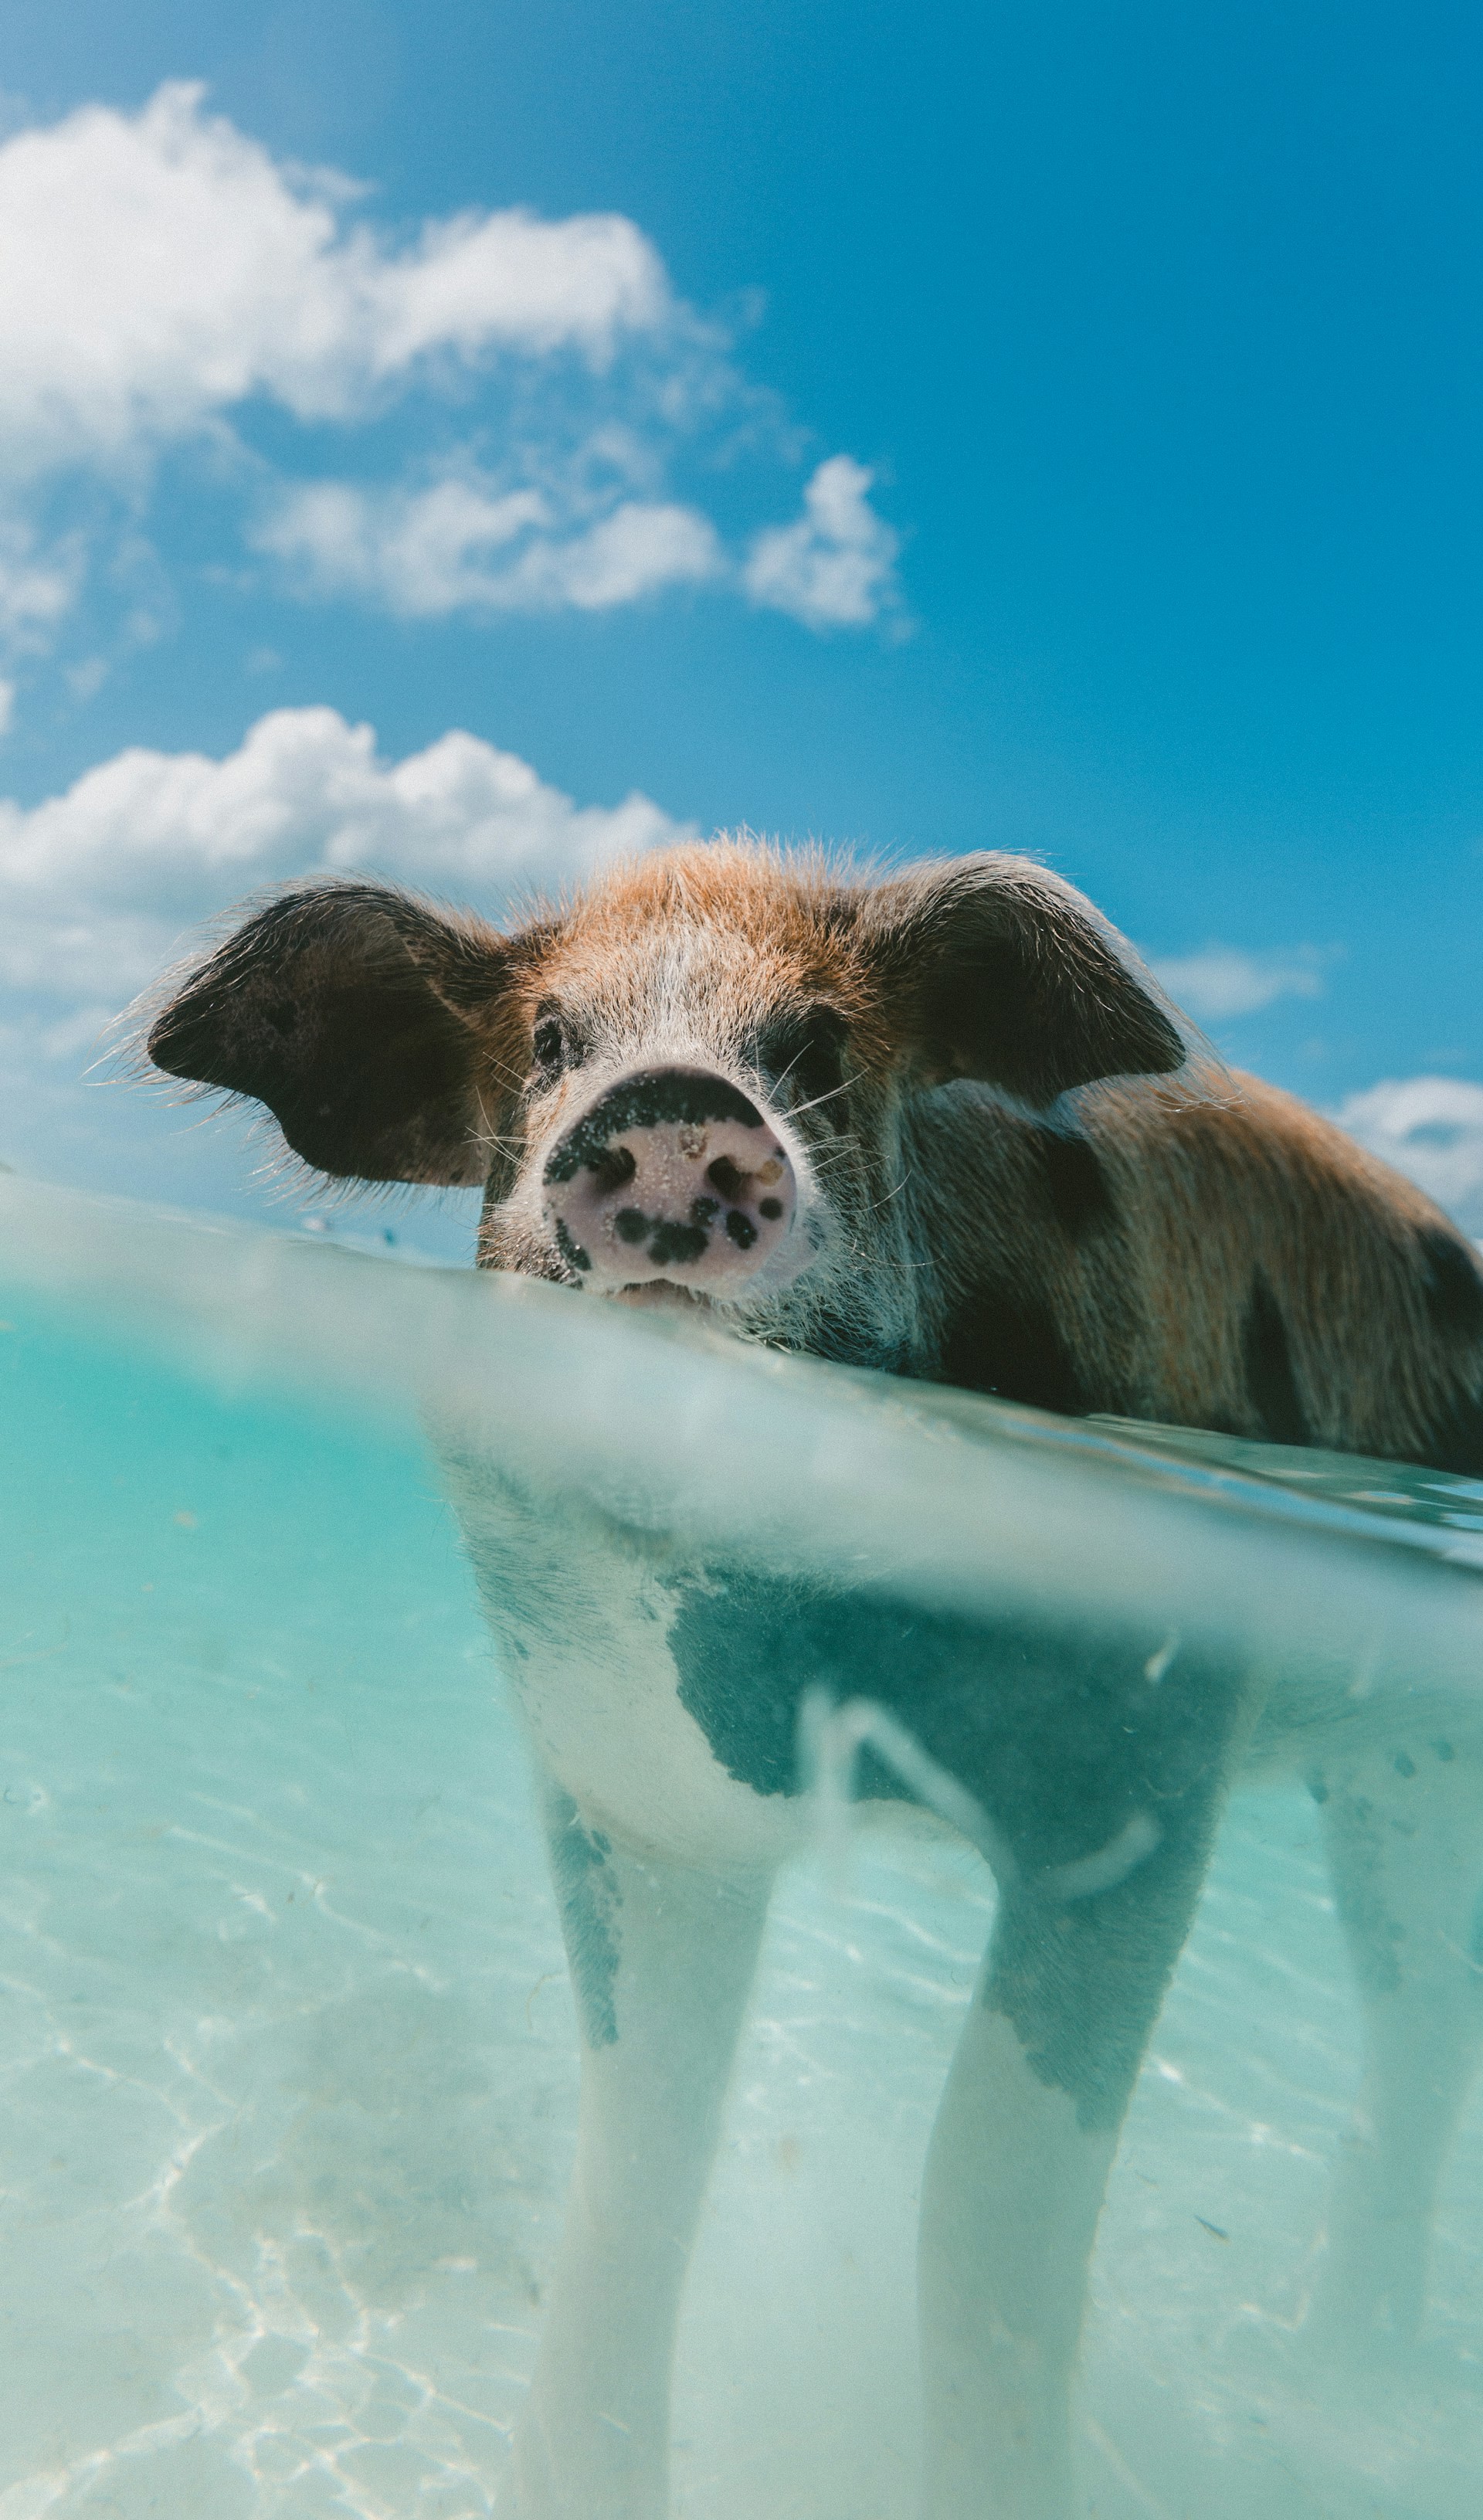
{"x": 994, "y": 970}
{"x": 358, "y": 1016}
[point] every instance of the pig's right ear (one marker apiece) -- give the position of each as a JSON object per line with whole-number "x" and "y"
{"x": 997, "y": 971}
{"x": 361, "y": 1018}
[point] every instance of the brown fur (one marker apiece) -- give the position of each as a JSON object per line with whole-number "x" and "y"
{"x": 1203, "y": 1251}
{"x": 1210, "y": 1199}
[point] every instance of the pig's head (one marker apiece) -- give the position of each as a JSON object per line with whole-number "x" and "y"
{"x": 688, "y": 1087}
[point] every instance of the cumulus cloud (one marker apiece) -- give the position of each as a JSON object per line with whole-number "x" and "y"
{"x": 167, "y": 285}
{"x": 97, "y": 886}
{"x": 463, "y": 545}
{"x": 1222, "y": 981}
{"x": 159, "y": 268}
{"x": 632, "y": 552}
{"x": 835, "y": 567}
{"x": 37, "y": 586}
{"x": 1431, "y": 1128}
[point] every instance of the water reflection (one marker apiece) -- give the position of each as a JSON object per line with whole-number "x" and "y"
{"x": 290, "y": 2053}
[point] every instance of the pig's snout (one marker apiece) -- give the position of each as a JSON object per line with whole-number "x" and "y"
{"x": 673, "y": 1175}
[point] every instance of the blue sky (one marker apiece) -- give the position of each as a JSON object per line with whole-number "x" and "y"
{"x": 1051, "y": 428}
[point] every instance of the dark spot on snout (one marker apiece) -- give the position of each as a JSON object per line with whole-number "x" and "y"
{"x": 726, "y": 1176}
{"x": 677, "y": 1242}
{"x": 741, "y": 1229}
{"x": 571, "y": 1250}
{"x": 672, "y": 1241}
{"x": 647, "y": 1102}
{"x": 771, "y": 1208}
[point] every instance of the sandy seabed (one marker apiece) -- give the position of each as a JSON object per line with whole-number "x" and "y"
{"x": 288, "y": 2058}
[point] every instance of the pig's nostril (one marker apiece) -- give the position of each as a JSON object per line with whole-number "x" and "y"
{"x": 725, "y": 1176}
{"x": 677, "y": 1242}
{"x": 611, "y": 1167}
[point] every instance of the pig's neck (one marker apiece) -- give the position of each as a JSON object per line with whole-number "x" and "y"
{"x": 1010, "y": 1268}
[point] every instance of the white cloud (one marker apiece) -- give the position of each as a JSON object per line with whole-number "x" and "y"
{"x": 1222, "y": 981}
{"x": 420, "y": 553}
{"x": 97, "y": 886}
{"x": 836, "y": 566}
{"x": 1431, "y": 1128}
{"x": 632, "y": 552}
{"x": 463, "y": 545}
{"x": 164, "y": 280}
{"x": 37, "y": 587}
{"x": 160, "y": 268}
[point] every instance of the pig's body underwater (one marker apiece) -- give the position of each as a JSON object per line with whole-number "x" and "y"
{"x": 944, "y": 1126}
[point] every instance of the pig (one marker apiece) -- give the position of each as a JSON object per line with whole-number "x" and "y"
{"x": 934, "y": 1122}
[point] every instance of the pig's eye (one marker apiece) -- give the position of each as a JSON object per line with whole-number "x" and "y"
{"x": 554, "y": 1048}
{"x": 803, "y": 1051}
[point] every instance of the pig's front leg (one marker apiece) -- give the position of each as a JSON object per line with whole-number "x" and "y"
{"x": 1029, "y": 2124}
{"x": 661, "y": 1962}
{"x": 1010, "y": 2209}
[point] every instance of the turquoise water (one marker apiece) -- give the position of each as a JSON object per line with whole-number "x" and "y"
{"x": 289, "y": 2053}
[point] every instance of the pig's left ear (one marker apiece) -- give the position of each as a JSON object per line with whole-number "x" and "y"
{"x": 361, "y": 1018}
{"x": 997, "y": 971}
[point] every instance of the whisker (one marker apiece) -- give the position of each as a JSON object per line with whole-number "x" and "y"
{"x": 800, "y": 1107}
{"x": 876, "y": 1205}
{"x": 787, "y": 1071}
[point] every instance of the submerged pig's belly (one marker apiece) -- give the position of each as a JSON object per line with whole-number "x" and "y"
{"x": 595, "y": 1632}
{"x": 616, "y": 1736}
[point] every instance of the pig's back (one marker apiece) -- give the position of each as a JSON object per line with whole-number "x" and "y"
{"x": 1234, "y": 1261}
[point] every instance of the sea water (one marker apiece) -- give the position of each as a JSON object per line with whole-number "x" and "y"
{"x": 288, "y": 2054}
